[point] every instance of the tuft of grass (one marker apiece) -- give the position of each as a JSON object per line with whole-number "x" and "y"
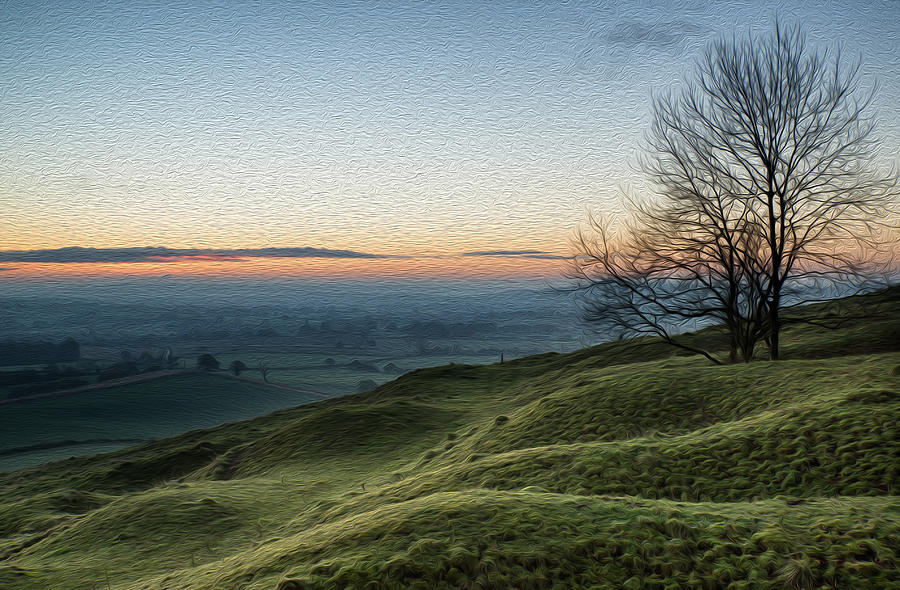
{"x": 798, "y": 573}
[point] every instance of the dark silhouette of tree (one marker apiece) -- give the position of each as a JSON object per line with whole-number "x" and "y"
{"x": 207, "y": 362}
{"x": 237, "y": 367}
{"x": 32, "y": 353}
{"x": 118, "y": 370}
{"x": 263, "y": 369}
{"x": 766, "y": 193}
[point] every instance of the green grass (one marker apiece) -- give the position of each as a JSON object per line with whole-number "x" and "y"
{"x": 626, "y": 465}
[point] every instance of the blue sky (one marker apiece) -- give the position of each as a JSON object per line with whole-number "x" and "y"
{"x": 389, "y": 127}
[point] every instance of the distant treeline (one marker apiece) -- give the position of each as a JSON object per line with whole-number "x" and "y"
{"x": 33, "y": 381}
{"x": 39, "y": 353}
{"x": 27, "y": 382}
{"x": 436, "y": 329}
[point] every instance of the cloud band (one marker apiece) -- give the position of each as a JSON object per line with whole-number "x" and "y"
{"x": 76, "y": 254}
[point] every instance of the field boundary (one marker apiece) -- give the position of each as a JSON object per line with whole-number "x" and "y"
{"x": 152, "y": 376}
{"x": 69, "y": 443}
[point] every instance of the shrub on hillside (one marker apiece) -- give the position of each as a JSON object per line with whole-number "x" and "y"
{"x": 237, "y": 367}
{"x": 118, "y": 370}
{"x": 207, "y": 362}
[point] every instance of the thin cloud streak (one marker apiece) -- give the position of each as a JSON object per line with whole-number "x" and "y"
{"x": 518, "y": 253}
{"x": 660, "y": 35}
{"x": 76, "y": 254}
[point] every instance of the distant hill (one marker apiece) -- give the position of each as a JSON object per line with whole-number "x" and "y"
{"x": 625, "y": 465}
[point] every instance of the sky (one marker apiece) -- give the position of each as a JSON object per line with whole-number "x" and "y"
{"x": 365, "y": 138}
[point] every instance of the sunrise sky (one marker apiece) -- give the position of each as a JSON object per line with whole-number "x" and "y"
{"x": 384, "y": 137}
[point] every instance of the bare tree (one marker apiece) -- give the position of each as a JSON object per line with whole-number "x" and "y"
{"x": 766, "y": 190}
{"x": 264, "y": 370}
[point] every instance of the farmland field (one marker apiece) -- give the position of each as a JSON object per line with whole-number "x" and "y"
{"x": 79, "y": 424}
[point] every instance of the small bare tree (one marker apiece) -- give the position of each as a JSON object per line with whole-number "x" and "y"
{"x": 264, "y": 370}
{"x": 766, "y": 191}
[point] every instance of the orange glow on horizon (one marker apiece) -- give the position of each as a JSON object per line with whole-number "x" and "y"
{"x": 366, "y": 268}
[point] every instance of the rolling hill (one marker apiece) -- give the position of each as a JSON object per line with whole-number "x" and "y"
{"x": 626, "y": 465}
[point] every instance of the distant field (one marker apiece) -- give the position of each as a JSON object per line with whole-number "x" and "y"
{"x": 109, "y": 419}
{"x": 299, "y": 366}
{"x": 140, "y": 411}
{"x": 310, "y": 372}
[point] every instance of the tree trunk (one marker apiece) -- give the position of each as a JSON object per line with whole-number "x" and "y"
{"x": 774, "y": 328}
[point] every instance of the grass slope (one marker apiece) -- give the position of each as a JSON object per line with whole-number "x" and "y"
{"x": 627, "y": 465}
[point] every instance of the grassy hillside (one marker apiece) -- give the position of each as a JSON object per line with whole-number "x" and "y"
{"x": 627, "y": 465}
